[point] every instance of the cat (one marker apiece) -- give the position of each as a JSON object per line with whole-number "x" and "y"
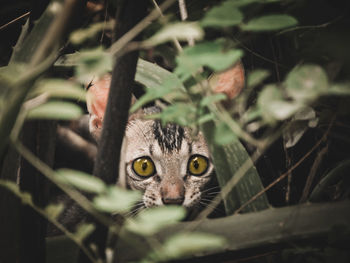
{"x": 166, "y": 163}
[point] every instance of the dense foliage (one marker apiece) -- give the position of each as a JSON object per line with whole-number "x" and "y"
{"x": 281, "y": 141}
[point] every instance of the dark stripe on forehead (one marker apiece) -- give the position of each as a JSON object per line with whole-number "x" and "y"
{"x": 169, "y": 137}
{"x": 189, "y": 148}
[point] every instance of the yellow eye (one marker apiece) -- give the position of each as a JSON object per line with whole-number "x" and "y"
{"x": 197, "y": 165}
{"x": 143, "y": 167}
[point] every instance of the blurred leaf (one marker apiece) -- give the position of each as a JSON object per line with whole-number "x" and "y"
{"x": 168, "y": 90}
{"x": 185, "y": 244}
{"x": 54, "y": 210}
{"x": 116, "y": 200}
{"x": 303, "y": 119}
{"x": 58, "y": 110}
{"x": 205, "y": 118}
{"x": 223, "y": 134}
{"x": 256, "y": 77}
{"x": 31, "y": 37}
{"x": 207, "y": 100}
{"x": 224, "y": 15}
{"x": 306, "y": 83}
{"x": 91, "y": 64}
{"x": 227, "y": 160}
{"x": 339, "y": 89}
{"x": 81, "y": 35}
{"x": 81, "y": 180}
{"x": 273, "y": 107}
{"x": 269, "y": 22}
{"x": 151, "y": 220}
{"x": 183, "y": 114}
{"x": 151, "y": 75}
{"x": 25, "y": 197}
{"x": 59, "y": 88}
{"x": 211, "y": 54}
{"x": 181, "y": 31}
{"x": 84, "y": 230}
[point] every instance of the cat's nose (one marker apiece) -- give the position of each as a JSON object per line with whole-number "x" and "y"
{"x": 173, "y": 201}
{"x": 172, "y": 192}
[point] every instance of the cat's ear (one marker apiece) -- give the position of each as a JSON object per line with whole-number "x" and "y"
{"x": 229, "y": 82}
{"x": 97, "y": 97}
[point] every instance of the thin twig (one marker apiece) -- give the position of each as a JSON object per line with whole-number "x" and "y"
{"x": 312, "y": 174}
{"x": 290, "y": 170}
{"x": 15, "y": 20}
{"x": 184, "y": 16}
{"x": 309, "y": 27}
{"x": 77, "y": 142}
{"x": 175, "y": 40}
{"x": 288, "y": 164}
{"x": 126, "y": 38}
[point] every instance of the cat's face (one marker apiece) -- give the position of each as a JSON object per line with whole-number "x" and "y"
{"x": 165, "y": 163}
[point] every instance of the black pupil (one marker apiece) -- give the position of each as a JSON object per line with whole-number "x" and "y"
{"x": 144, "y": 165}
{"x": 195, "y": 164}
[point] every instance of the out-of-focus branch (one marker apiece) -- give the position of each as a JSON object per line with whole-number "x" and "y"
{"x": 77, "y": 142}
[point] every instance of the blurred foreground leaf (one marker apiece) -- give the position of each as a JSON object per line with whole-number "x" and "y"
{"x": 151, "y": 220}
{"x": 81, "y": 180}
{"x": 57, "y": 110}
{"x": 270, "y": 23}
{"x": 116, "y": 200}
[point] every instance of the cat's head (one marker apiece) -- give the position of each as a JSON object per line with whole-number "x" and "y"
{"x": 167, "y": 163}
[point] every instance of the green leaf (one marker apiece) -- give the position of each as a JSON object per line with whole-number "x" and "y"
{"x": 54, "y": 210}
{"x": 185, "y": 244}
{"x": 25, "y": 197}
{"x": 224, "y": 15}
{"x": 256, "y": 77}
{"x": 116, "y": 200}
{"x": 91, "y": 64}
{"x": 152, "y": 75}
{"x": 57, "y": 110}
{"x": 227, "y": 160}
{"x": 160, "y": 83}
{"x": 205, "y": 118}
{"x": 81, "y": 180}
{"x": 150, "y": 221}
{"x": 168, "y": 90}
{"x": 83, "y": 230}
{"x": 303, "y": 119}
{"x": 81, "y": 35}
{"x": 211, "y": 54}
{"x": 306, "y": 83}
{"x": 183, "y": 114}
{"x": 224, "y": 135}
{"x": 210, "y": 99}
{"x": 340, "y": 89}
{"x": 181, "y": 31}
{"x": 59, "y": 88}
{"x": 273, "y": 107}
{"x": 269, "y": 23}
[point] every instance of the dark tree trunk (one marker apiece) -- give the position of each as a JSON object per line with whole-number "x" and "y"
{"x": 129, "y": 13}
{"x": 39, "y": 137}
